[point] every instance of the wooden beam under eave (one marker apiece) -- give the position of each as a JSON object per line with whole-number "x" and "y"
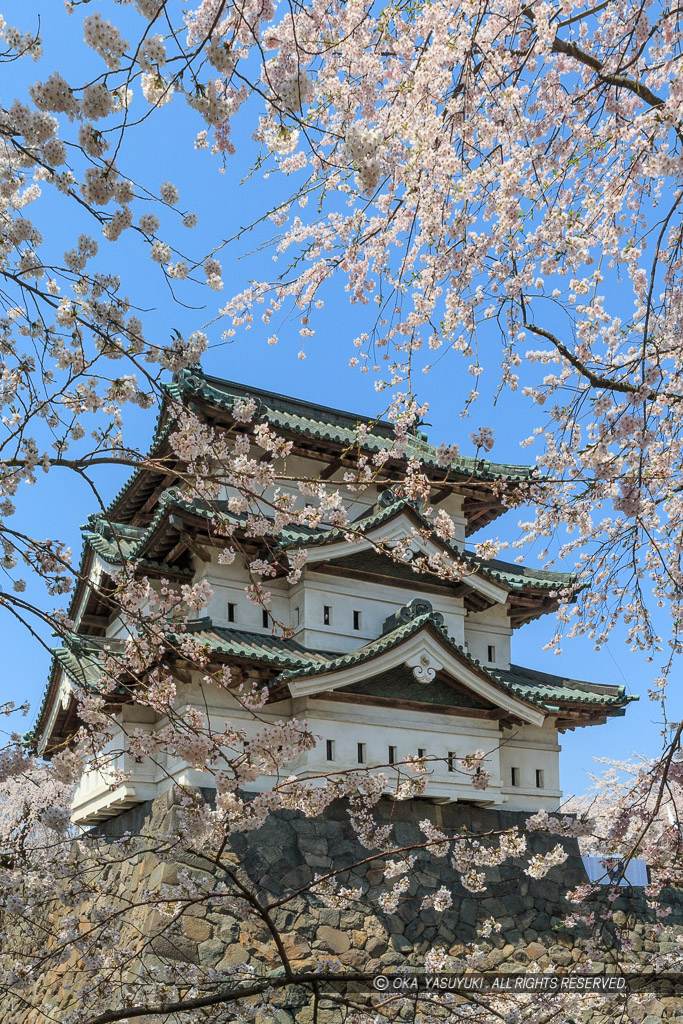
{"x": 196, "y": 548}
{"x": 318, "y": 456}
{"x": 476, "y": 602}
{"x": 483, "y": 510}
{"x": 158, "y": 490}
{"x": 165, "y": 571}
{"x": 176, "y": 551}
{"x": 181, "y": 675}
{"x": 564, "y": 724}
{"x": 442, "y": 493}
{"x": 98, "y": 621}
{"x": 331, "y": 469}
{"x": 409, "y": 705}
{"x": 419, "y": 583}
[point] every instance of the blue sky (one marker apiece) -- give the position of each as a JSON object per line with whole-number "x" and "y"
{"x": 57, "y": 505}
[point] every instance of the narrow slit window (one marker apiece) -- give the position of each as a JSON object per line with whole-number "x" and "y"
{"x": 231, "y": 611}
{"x": 297, "y": 617}
{"x": 264, "y": 618}
{"x": 492, "y": 654}
{"x": 330, "y": 750}
{"x": 361, "y": 753}
{"x": 514, "y": 776}
{"x": 450, "y": 760}
{"x": 392, "y": 755}
{"x": 327, "y": 614}
{"x": 357, "y": 620}
{"x": 540, "y": 780}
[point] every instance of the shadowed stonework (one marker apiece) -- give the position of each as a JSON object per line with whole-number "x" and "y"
{"x": 282, "y": 857}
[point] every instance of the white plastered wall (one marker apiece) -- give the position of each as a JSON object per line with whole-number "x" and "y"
{"x": 375, "y": 602}
{"x": 346, "y": 725}
{"x": 530, "y": 749}
{"x": 490, "y": 628}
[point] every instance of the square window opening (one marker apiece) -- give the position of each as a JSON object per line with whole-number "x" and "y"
{"x": 421, "y": 751}
{"x": 514, "y": 776}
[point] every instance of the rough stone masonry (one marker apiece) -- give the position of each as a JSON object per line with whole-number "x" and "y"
{"x": 283, "y": 857}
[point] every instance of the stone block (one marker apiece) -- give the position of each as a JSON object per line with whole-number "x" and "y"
{"x": 210, "y": 952}
{"x": 514, "y": 904}
{"x": 175, "y": 948}
{"x": 392, "y": 958}
{"x": 233, "y": 955}
{"x": 560, "y": 955}
{"x": 296, "y": 946}
{"x": 229, "y": 931}
{"x": 196, "y": 929}
{"x": 335, "y": 940}
{"x": 375, "y": 946}
{"x": 468, "y": 912}
{"x": 163, "y": 874}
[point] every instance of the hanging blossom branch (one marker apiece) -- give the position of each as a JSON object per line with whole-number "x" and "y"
{"x": 478, "y": 173}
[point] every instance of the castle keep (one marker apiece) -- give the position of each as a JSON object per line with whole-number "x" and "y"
{"x": 382, "y": 661}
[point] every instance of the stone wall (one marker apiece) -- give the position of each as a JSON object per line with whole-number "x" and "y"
{"x": 282, "y": 857}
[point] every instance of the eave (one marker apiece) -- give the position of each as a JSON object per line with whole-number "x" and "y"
{"x": 528, "y": 593}
{"x": 516, "y": 694}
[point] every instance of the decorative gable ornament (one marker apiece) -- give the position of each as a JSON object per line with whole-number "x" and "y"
{"x": 424, "y": 669}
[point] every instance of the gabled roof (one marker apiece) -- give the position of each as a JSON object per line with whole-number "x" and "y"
{"x": 324, "y": 423}
{"x": 115, "y": 542}
{"x": 508, "y": 574}
{"x": 293, "y": 661}
{"x": 547, "y": 692}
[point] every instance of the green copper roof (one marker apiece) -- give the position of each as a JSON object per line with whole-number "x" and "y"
{"x": 80, "y": 659}
{"x": 289, "y": 660}
{"x": 294, "y": 661}
{"x": 547, "y": 693}
{"x": 262, "y": 648}
{"x": 114, "y": 542}
{"x": 323, "y": 423}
